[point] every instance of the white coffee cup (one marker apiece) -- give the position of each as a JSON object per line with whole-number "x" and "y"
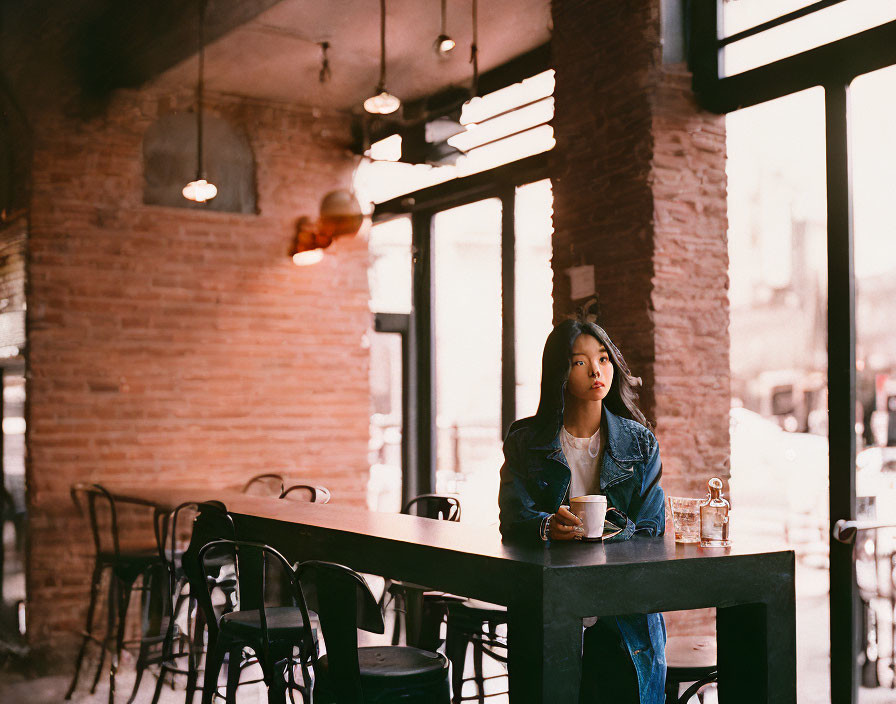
{"x": 591, "y": 510}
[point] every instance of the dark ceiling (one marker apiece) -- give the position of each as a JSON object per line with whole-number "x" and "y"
{"x": 268, "y": 49}
{"x": 277, "y": 55}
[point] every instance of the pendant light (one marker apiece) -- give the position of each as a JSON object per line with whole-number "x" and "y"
{"x": 444, "y": 44}
{"x": 200, "y": 190}
{"x": 382, "y": 102}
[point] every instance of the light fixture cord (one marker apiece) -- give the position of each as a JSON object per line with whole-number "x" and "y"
{"x": 444, "y": 14}
{"x": 474, "y": 49}
{"x": 382, "y": 44}
{"x": 199, "y": 90}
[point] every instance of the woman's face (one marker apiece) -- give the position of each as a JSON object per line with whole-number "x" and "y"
{"x": 591, "y": 371}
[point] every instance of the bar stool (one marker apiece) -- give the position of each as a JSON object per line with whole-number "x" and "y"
{"x": 689, "y": 659}
{"x": 124, "y": 567}
{"x": 476, "y": 623}
{"x": 306, "y": 492}
{"x": 269, "y": 484}
{"x": 423, "y": 609}
{"x": 272, "y": 632}
{"x": 348, "y": 674}
{"x": 176, "y": 642}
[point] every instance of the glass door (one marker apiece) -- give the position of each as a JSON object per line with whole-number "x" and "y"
{"x": 390, "y": 302}
{"x": 873, "y": 142}
{"x": 467, "y": 331}
{"x": 778, "y": 417}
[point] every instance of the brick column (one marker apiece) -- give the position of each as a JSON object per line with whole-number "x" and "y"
{"x": 639, "y": 192}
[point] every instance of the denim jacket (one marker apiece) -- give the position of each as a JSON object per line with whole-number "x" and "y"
{"x": 535, "y": 482}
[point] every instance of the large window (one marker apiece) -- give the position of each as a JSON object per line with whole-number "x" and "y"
{"x": 779, "y": 444}
{"x": 811, "y": 26}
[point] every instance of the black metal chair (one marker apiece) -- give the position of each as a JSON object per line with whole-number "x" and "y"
{"x": 271, "y": 632}
{"x": 175, "y": 642}
{"x": 483, "y": 626}
{"x": 689, "y": 659}
{"x": 306, "y": 492}
{"x": 270, "y": 484}
{"x": 468, "y": 622}
{"x": 437, "y": 506}
{"x": 418, "y": 608}
{"x": 348, "y": 674}
{"x": 124, "y": 568}
{"x": 875, "y": 574}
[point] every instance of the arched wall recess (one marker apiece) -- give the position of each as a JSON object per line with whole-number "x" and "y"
{"x": 169, "y": 161}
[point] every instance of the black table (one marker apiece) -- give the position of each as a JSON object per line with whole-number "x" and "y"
{"x": 548, "y": 590}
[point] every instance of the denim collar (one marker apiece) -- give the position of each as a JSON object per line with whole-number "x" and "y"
{"x": 622, "y": 444}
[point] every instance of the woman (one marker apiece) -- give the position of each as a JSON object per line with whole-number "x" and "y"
{"x": 589, "y": 437}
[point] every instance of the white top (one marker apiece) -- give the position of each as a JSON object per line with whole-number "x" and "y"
{"x": 582, "y": 455}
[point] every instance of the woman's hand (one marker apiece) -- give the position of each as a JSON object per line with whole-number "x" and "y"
{"x": 564, "y": 525}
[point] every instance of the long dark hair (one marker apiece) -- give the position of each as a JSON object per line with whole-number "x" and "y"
{"x": 621, "y": 399}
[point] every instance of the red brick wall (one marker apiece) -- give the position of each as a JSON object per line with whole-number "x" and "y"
{"x": 179, "y": 346}
{"x": 639, "y": 192}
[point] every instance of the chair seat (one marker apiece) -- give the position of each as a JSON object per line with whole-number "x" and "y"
{"x": 387, "y": 662}
{"x": 283, "y": 621}
{"x": 147, "y": 556}
{"x": 130, "y": 564}
{"x": 470, "y": 614}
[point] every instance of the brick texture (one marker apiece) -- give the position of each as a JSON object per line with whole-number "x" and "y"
{"x": 639, "y": 192}
{"x": 171, "y": 346}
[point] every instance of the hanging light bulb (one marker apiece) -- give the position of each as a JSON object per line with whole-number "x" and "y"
{"x": 199, "y": 190}
{"x": 382, "y": 102}
{"x": 444, "y": 44}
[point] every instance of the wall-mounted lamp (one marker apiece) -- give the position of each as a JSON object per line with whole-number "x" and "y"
{"x": 340, "y": 216}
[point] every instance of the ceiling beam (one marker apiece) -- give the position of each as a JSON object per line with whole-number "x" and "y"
{"x": 125, "y": 44}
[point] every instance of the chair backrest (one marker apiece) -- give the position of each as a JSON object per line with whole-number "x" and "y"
{"x": 343, "y": 603}
{"x": 174, "y": 529}
{"x": 101, "y": 513}
{"x": 212, "y": 523}
{"x": 306, "y": 492}
{"x": 251, "y": 562}
{"x": 264, "y": 485}
{"x": 445, "y": 508}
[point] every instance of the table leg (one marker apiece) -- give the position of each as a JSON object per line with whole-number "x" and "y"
{"x": 413, "y": 614}
{"x": 544, "y": 655}
{"x": 757, "y": 653}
